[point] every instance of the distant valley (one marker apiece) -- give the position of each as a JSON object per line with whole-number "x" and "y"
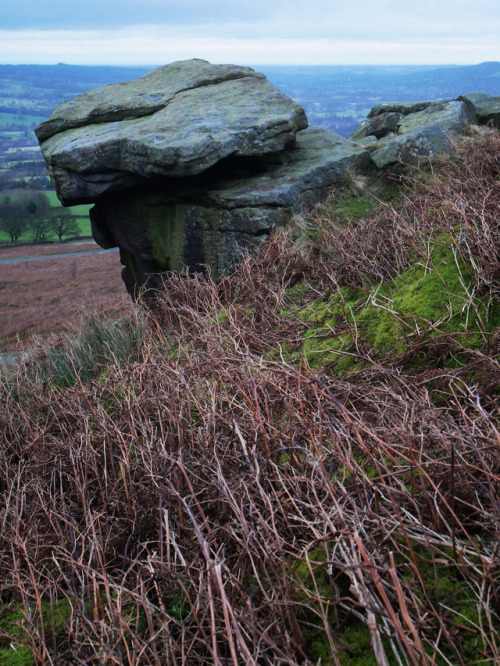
{"x": 337, "y": 97}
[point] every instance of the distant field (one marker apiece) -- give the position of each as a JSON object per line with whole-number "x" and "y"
{"x": 44, "y": 296}
{"x": 83, "y": 224}
{"x": 20, "y": 118}
{"x": 34, "y": 150}
{"x": 11, "y": 134}
{"x": 80, "y": 212}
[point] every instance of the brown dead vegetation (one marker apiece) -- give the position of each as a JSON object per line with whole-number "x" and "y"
{"x": 39, "y": 297}
{"x": 216, "y": 500}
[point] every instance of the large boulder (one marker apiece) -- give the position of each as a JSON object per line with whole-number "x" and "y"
{"x": 207, "y": 221}
{"x": 178, "y": 120}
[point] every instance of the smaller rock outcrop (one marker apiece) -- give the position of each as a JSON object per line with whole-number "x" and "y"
{"x": 378, "y": 126}
{"x": 485, "y": 107}
{"x": 404, "y": 108}
{"x": 406, "y": 132}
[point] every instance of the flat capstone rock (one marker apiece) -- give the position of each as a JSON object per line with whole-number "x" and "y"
{"x": 177, "y": 121}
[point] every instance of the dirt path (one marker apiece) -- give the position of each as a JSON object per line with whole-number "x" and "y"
{"x": 23, "y": 251}
{"x": 55, "y": 256}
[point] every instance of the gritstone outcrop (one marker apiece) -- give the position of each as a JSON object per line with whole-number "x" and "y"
{"x": 190, "y": 165}
{"x": 193, "y": 163}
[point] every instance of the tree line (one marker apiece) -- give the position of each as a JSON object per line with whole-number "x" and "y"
{"x": 22, "y": 211}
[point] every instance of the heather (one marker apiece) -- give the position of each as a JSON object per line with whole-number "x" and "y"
{"x": 298, "y": 464}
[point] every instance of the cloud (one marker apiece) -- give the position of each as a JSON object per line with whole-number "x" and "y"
{"x": 356, "y": 19}
{"x": 104, "y": 14}
{"x": 259, "y": 31}
{"x": 154, "y": 45}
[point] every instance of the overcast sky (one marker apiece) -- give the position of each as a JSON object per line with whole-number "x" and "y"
{"x": 250, "y": 32}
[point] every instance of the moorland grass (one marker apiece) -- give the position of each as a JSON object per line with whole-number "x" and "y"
{"x": 213, "y": 496}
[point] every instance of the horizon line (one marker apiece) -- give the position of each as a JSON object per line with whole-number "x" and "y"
{"x": 263, "y": 64}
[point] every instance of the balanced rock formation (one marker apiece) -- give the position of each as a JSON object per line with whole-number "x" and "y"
{"x": 189, "y": 165}
{"x": 193, "y": 163}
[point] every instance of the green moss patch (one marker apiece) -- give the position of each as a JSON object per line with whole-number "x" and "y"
{"x": 427, "y": 300}
{"x": 14, "y": 630}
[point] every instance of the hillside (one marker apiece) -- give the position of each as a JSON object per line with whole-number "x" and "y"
{"x": 297, "y": 465}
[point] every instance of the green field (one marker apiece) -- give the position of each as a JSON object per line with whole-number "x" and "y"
{"x": 80, "y": 212}
{"x": 83, "y": 223}
{"x": 11, "y": 134}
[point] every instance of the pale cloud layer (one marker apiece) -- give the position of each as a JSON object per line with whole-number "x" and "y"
{"x": 250, "y": 32}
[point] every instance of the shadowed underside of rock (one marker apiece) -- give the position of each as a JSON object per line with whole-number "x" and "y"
{"x": 207, "y": 222}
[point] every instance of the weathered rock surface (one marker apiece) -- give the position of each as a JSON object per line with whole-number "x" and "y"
{"x": 451, "y": 117}
{"x": 485, "y": 107}
{"x": 176, "y": 121}
{"x": 410, "y": 148}
{"x": 378, "y": 126}
{"x": 142, "y": 97}
{"x": 404, "y": 108}
{"x": 209, "y": 220}
{"x": 424, "y": 130}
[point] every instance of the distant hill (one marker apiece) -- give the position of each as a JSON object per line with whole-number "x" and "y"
{"x": 339, "y": 97}
{"x": 71, "y": 76}
{"x": 453, "y": 81}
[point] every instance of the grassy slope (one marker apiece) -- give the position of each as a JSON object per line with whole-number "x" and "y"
{"x": 296, "y": 466}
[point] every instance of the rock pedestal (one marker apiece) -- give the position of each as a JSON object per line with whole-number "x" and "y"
{"x": 190, "y": 165}
{"x": 211, "y": 219}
